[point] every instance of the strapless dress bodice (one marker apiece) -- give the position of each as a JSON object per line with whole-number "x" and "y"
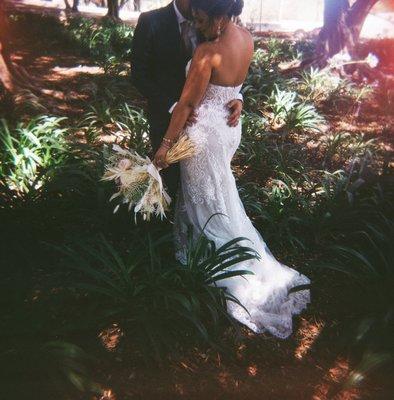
{"x": 217, "y": 95}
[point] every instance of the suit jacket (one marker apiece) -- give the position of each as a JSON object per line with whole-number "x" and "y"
{"x": 158, "y": 65}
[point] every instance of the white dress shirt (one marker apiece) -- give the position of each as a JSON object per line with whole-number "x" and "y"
{"x": 179, "y": 16}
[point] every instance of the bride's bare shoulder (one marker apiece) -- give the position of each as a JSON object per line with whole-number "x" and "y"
{"x": 206, "y": 48}
{"x": 207, "y": 51}
{"x": 246, "y": 32}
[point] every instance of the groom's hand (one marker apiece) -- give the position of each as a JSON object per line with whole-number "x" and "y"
{"x": 235, "y": 107}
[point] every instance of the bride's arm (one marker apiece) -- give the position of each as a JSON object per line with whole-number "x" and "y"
{"x": 195, "y": 87}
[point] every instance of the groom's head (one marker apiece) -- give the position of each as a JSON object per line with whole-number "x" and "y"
{"x": 210, "y": 16}
{"x": 184, "y": 6}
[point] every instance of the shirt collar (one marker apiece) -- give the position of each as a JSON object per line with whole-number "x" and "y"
{"x": 179, "y": 16}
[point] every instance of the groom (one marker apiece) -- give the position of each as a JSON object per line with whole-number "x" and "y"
{"x": 164, "y": 41}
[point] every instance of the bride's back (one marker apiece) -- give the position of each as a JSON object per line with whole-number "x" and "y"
{"x": 233, "y": 52}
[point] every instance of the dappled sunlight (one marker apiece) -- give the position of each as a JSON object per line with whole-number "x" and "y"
{"x": 307, "y": 334}
{"x": 226, "y": 379}
{"x": 108, "y": 394}
{"x": 179, "y": 389}
{"x": 252, "y": 370}
{"x": 331, "y": 385}
{"x": 188, "y": 366}
{"x": 79, "y": 69}
{"x": 44, "y": 61}
{"x": 111, "y": 337}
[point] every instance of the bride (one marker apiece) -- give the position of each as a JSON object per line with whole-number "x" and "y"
{"x": 215, "y": 76}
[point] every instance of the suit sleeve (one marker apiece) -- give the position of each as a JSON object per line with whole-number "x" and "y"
{"x": 141, "y": 55}
{"x": 141, "y": 61}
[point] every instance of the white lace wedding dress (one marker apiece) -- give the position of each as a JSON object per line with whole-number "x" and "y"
{"x": 208, "y": 187}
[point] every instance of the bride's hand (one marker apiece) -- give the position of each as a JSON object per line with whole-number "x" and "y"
{"x": 159, "y": 158}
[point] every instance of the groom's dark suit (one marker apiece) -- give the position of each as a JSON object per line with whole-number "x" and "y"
{"x": 158, "y": 72}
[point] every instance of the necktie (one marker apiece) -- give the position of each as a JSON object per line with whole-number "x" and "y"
{"x": 187, "y": 44}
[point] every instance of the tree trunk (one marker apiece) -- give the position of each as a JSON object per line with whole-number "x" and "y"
{"x": 357, "y": 16}
{"x": 334, "y": 34}
{"x": 122, "y": 3}
{"x": 137, "y": 5}
{"x": 16, "y": 85}
{"x": 75, "y": 5}
{"x": 113, "y": 9}
{"x": 342, "y": 26}
{"x": 6, "y": 79}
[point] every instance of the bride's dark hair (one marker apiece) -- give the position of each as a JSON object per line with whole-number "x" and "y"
{"x": 217, "y": 8}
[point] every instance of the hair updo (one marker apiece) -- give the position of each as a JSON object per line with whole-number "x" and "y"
{"x": 217, "y": 8}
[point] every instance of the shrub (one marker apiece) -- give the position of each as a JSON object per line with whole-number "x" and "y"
{"x": 155, "y": 300}
{"x": 107, "y": 42}
{"x": 29, "y": 152}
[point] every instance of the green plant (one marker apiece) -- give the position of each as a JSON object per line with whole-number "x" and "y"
{"x": 110, "y": 115}
{"x": 281, "y": 103}
{"x": 151, "y": 296}
{"x": 316, "y": 85}
{"x": 108, "y": 42}
{"x": 29, "y": 153}
{"x": 261, "y": 81}
{"x": 305, "y": 48}
{"x": 348, "y": 97}
{"x": 133, "y": 122}
{"x": 280, "y": 50}
{"x": 288, "y": 113}
{"x": 304, "y": 118}
{"x": 361, "y": 249}
{"x": 39, "y": 359}
{"x": 343, "y": 145}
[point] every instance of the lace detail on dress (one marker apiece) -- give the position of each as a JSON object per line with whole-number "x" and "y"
{"x": 203, "y": 187}
{"x": 208, "y": 187}
{"x": 212, "y": 112}
{"x": 217, "y": 95}
{"x": 180, "y": 231}
{"x": 276, "y": 313}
